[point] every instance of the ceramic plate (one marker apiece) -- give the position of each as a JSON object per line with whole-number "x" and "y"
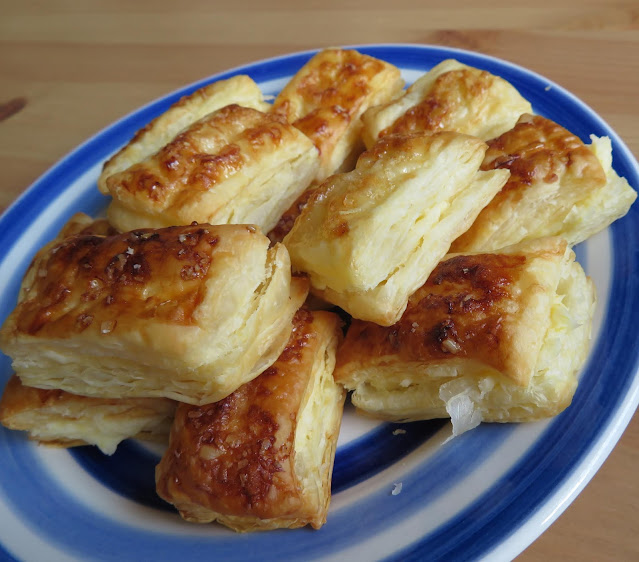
{"x": 488, "y": 493}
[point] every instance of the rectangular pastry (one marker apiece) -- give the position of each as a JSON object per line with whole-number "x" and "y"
{"x": 188, "y": 313}
{"x": 240, "y": 90}
{"x": 262, "y": 458}
{"x": 369, "y": 238}
{"x": 497, "y": 337}
{"x": 326, "y": 98}
{"x": 236, "y": 165}
{"x": 558, "y": 186}
{"x": 450, "y": 97}
{"x": 56, "y": 417}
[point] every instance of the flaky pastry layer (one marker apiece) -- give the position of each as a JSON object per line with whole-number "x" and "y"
{"x": 236, "y": 165}
{"x": 59, "y": 418}
{"x": 490, "y": 336}
{"x": 326, "y": 98}
{"x": 558, "y": 186}
{"x": 188, "y": 313}
{"x": 240, "y": 90}
{"x": 369, "y": 238}
{"x": 450, "y": 97}
{"x": 262, "y": 458}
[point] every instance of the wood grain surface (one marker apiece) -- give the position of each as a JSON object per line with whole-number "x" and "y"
{"x": 70, "y": 68}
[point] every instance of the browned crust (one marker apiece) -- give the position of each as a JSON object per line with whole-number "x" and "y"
{"x": 459, "y": 312}
{"x": 236, "y": 457}
{"x": 198, "y": 96}
{"x": 200, "y": 157}
{"x": 92, "y": 281}
{"x": 287, "y": 220}
{"x": 328, "y": 94}
{"x": 539, "y": 150}
{"x": 454, "y": 89}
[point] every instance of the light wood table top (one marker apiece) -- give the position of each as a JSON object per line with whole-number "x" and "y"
{"x": 71, "y": 68}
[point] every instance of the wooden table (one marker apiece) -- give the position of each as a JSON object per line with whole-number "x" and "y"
{"x": 70, "y": 68}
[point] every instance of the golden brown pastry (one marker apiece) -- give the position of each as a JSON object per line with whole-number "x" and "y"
{"x": 81, "y": 223}
{"x": 450, "y": 97}
{"x": 497, "y": 337}
{"x": 287, "y": 220}
{"x": 369, "y": 238}
{"x": 240, "y": 90}
{"x": 188, "y": 313}
{"x": 236, "y": 165}
{"x": 262, "y": 458}
{"x": 558, "y": 186}
{"x": 326, "y": 98}
{"x": 56, "y": 417}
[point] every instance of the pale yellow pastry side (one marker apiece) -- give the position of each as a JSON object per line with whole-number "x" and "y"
{"x": 59, "y": 418}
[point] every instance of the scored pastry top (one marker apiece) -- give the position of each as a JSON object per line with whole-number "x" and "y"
{"x": 97, "y": 283}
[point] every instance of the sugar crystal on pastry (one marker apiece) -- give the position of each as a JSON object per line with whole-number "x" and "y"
{"x": 326, "y": 98}
{"x": 188, "y": 313}
{"x": 558, "y": 186}
{"x": 236, "y": 165}
{"x": 369, "y": 238}
{"x": 240, "y": 90}
{"x": 262, "y": 458}
{"x": 450, "y": 97}
{"x": 497, "y": 336}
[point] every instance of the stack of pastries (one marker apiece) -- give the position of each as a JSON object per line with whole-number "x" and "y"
{"x": 258, "y": 261}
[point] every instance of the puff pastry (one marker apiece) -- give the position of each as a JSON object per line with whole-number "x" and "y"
{"x": 188, "y": 313}
{"x": 558, "y": 186}
{"x": 262, "y": 458}
{"x": 236, "y": 165}
{"x": 56, "y": 417}
{"x": 240, "y": 90}
{"x": 81, "y": 223}
{"x": 496, "y": 337}
{"x": 369, "y": 238}
{"x": 326, "y": 98}
{"x": 453, "y": 97}
{"x": 287, "y": 220}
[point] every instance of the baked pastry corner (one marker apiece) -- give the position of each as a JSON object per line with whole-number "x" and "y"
{"x": 62, "y": 419}
{"x": 236, "y": 165}
{"x": 240, "y": 90}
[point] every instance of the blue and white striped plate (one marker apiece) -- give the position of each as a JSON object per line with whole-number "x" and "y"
{"x": 490, "y": 492}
